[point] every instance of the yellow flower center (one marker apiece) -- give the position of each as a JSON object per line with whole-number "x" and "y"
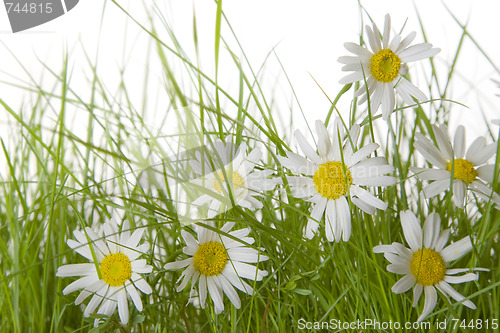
{"x": 234, "y": 177}
{"x": 210, "y": 259}
{"x": 463, "y": 170}
{"x": 428, "y": 267}
{"x": 116, "y": 269}
{"x": 330, "y": 180}
{"x": 385, "y": 65}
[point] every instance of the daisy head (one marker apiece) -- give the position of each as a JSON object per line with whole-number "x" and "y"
{"x": 425, "y": 263}
{"x": 336, "y": 170}
{"x": 218, "y": 263}
{"x": 113, "y": 273}
{"x": 464, "y": 169}
{"x": 383, "y": 65}
{"x": 238, "y": 181}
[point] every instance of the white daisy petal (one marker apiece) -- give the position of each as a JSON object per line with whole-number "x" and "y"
{"x": 429, "y": 230}
{"x": 404, "y": 284}
{"x": 237, "y": 282}
{"x": 418, "y": 52}
{"x": 368, "y": 209}
{"x": 412, "y": 90}
{"x": 358, "y": 171}
{"x": 79, "y": 284}
{"x": 399, "y": 269}
{"x": 368, "y": 198}
{"x": 332, "y": 230}
{"x": 484, "y": 154}
{"x": 460, "y": 279}
{"x": 83, "y": 250}
{"x": 454, "y": 271}
{"x": 375, "y": 181}
{"x": 141, "y": 284}
{"x": 455, "y": 295}
{"x": 486, "y": 172}
{"x": 387, "y": 31}
{"x": 82, "y": 296}
{"x": 430, "y": 302}
{"x": 306, "y": 148}
{"x": 417, "y": 292}
{"x": 402, "y": 251}
{"x": 139, "y": 266}
{"x": 229, "y": 290}
{"x": 383, "y": 249}
{"x": 134, "y": 295}
{"x": 297, "y": 164}
{"x": 437, "y": 187}
{"x": 403, "y": 89}
{"x": 388, "y": 100}
{"x": 325, "y": 148}
{"x": 459, "y": 192}
{"x": 430, "y": 174}
{"x": 442, "y": 240}
{"x": 481, "y": 189}
{"x": 459, "y": 142}
{"x": 215, "y": 293}
{"x": 361, "y": 154}
{"x": 353, "y": 77}
{"x": 429, "y": 151}
{"x": 373, "y": 38}
{"x": 135, "y": 238}
{"x": 357, "y": 49}
{"x": 395, "y": 259}
{"x": 97, "y": 241}
{"x": 123, "y": 307}
{"x": 316, "y": 214}
{"x": 406, "y": 41}
{"x": 475, "y": 149}
{"x": 202, "y": 286}
{"x": 443, "y": 141}
{"x": 411, "y": 230}
{"x": 457, "y": 249}
{"x": 246, "y": 255}
{"x": 343, "y": 217}
{"x": 94, "y": 302}
{"x": 76, "y": 270}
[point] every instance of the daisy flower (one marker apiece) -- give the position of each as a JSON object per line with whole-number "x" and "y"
{"x": 116, "y": 258}
{"x": 236, "y": 181}
{"x": 218, "y": 263}
{"x": 335, "y": 171}
{"x": 383, "y": 66}
{"x": 425, "y": 262}
{"x": 467, "y": 170}
{"x": 215, "y": 155}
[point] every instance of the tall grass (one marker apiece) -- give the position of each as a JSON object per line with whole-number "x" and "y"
{"x": 58, "y": 178}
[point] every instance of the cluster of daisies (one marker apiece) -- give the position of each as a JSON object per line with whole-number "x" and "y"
{"x": 331, "y": 177}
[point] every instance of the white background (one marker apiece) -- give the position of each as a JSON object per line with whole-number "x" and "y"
{"x": 308, "y": 37}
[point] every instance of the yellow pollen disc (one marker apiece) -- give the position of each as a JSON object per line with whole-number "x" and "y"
{"x": 463, "y": 170}
{"x": 210, "y": 259}
{"x": 234, "y": 177}
{"x": 116, "y": 269}
{"x": 385, "y": 65}
{"x": 428, "y": 267}
{"x": 329, "y": 180}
